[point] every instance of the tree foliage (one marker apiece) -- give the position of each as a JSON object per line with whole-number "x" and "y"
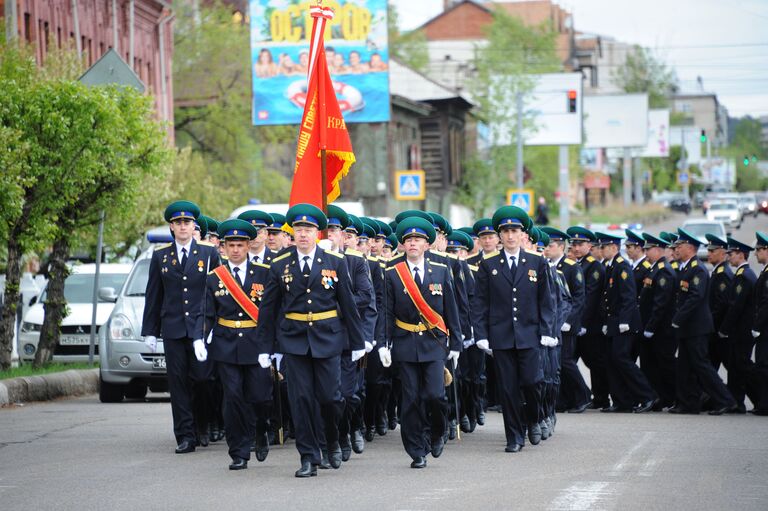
{"x": 748, "y": 141}
{"x": 410, "y": 48}
{"x": 643, "y": 72}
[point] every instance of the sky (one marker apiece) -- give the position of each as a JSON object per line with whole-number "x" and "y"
{"x": 725, "y": 42}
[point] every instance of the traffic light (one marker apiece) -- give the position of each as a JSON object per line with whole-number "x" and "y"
{"x": 703, "y": 136}
{"x": 571, "y": 101}
{"x": 746, "y": 160}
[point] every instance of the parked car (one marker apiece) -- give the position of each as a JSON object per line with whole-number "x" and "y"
{"x": 680, "y": 203}
{"x": 725, "y": 211}
{"x": 700, "y": 227}
{"x": 762, "y": 204}
{"x": 74, "y": 338}
{"x": 127, "y": 368}
{"x": 748, "y": 204}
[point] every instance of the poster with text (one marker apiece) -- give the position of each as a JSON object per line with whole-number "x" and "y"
{"x": 356, "y": 52}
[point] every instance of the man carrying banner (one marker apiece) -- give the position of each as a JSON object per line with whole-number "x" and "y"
{"x": 424, "y": 332}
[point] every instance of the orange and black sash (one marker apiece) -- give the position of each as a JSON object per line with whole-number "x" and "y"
{"x": 237, "y": 292}
{"x": 427, "y": 313}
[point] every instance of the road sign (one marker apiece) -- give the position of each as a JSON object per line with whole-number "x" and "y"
{"x": 111, "y": 69}
{"x": 683, "y": 178}
{"x": 410, "y": 185}
{"x": 522, "y": 198}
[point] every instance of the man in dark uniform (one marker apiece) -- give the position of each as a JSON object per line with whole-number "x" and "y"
{"x": 634, "y": 246}
{"x": 719, "y": 295}
{"x": 760, "y": 326}
{"x": 592, "y": 346}
{"x": 277, "y": 238}
{"x": 630, "y": 389}
{"x": 308, "y": 311}
{"x": 657, "y": 305}
{"x": 422, "y": 321}
{"x": 258, "y": 251}
{"x": 515, "y": 313}
{"x": 693, "y": 324}
{"x": 175, "y": 290}
{"x": 574, "y": 395}
{"x": 230, "y": 313}
{"x": 737, "y": 325}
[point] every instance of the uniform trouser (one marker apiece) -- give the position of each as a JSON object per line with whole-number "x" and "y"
{"x": 628, "y": 384}
{"x": 518, "y": 371}
{"x": 204, "y": 395}
{"x": 740, "y": 366}
{"x": 718, "y": 351}
{"x": 378, "y": 381}
{"x": 593, "y": 348}
{"x": 657, "y": 361}
{"x": 552, "y": 387}
{"x": 184, "y": 373}
{"x": 573, "y": 389}
{"x": 422, "y": 408}
{"x": 471, "y": 365}
{"x": 693, "y": 365}
{"x": 246, "y": 403}
{"x": 350, "y": 387}
{"x": 314, "y": 382}
{"x": 759, "y": 376}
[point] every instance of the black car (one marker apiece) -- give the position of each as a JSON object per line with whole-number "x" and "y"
{"x": 680, "y": 203}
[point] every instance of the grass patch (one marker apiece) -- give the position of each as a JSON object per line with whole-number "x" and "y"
{"x": 27, "y": 370}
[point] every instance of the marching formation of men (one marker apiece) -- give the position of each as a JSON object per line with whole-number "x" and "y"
{"x": 418, "y": 325}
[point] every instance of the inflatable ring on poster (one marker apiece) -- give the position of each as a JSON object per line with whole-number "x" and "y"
{"x": 350, "y": 99}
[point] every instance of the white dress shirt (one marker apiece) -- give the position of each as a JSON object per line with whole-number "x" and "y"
{"x": 188, "y": 246}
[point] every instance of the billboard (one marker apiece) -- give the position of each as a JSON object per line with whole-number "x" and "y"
{"x": 555, "y": 107}
{"x": 616, "y": 120}
{"x": 687, "y": 136}
{"x": 356, "y": 51}
{"x": 658, "y": 135}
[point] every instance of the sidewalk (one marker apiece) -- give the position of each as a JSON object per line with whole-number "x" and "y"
{"x": 48, "y": 386}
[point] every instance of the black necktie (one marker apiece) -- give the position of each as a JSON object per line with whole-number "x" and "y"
{"x": 513, "y": 266}
{"x": 237, "y": 275}
{"x": 255, "y": 259}
{"x": 305, "y": 266}
{"x": 417, "y": 276}
{"x": 183, "y": 257}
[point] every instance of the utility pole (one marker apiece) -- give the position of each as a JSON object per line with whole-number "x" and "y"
{"x": 627, "y": 177}
{"x": 565, "y": 196}
{"x": 520, "y": 180}
{"x": 11, "y": 20}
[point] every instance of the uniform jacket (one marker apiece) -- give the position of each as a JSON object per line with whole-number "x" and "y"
{"x": 620, "y": 298}
{"x": 268, "y": 256}
{"x": 563, "y": 301}
{"x": 692, "y": 314}
{"x": 657, "y": 297}
{"x": 720, "y": 292}
{"x": 437, "y": 289}
{"x": 574, "y": 278}
{"x": 761, "y": 303}
{"x": 174, "y": 294}
{"x": 640, "y": 272}
{"x": 376, "y": 271}
{"x": 288, "y": 291}
{"x": 741, "y": 313}
{"x": 594, "y": 282}
{"x": 232, "y": 345}
{"x": 362, "y": 288}
{"x": 513, "y": 312}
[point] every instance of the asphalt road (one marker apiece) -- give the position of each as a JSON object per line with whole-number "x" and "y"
{"x": 80, "y": 454}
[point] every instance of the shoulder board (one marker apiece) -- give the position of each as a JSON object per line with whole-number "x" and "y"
{"x": 560, "y": 272}
{"x": 590, "y": 259}
{"x": 164, "y": 245}
{"x": 372, "y": 258}
{"x": 661, "y": 266}
{"x": 739, "y": 271}
{"x": 619, "y": 259}
{"x": 224, "y": 258}
{"x": 720, "y": 269}
{"x": 694, "y": 264}
{"x": 646, "y": 264}
{"x": 261, "y": 265}
{"x": 473, "y": 267}
{"x": 674, "y": 265}
{"x": 437, "y": 252}
{"x": 533, "y": 252}
{"x": 353, "y": 252}
{"x": 570, "y": 262}
{"x": 281, "y": 257}
{"x": 491, "y": 254}
{"x": 438, "y": 264}
{"x": 333, "y": 253}
{"x": 382, "y": 264}
{"x": 205, "y": 243}
{"x": 396, "y": 256}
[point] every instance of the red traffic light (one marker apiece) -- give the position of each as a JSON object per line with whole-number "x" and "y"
{"x": 571, "y": 101}
{"x": 571, "y": 94}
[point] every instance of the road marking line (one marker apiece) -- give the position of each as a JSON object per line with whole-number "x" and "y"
{"x": 582, "y": 496}
{"x": 619, "y": 467}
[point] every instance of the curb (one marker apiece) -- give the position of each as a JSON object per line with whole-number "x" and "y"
{"x": 49, "y": 386}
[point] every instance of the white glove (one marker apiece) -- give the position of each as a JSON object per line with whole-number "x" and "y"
{"x": 623, "y": 327}
{"x": 722, "y": 335}
{"x": 265, "y": 360}
{"x": 201, "y": 354}
{"x": 582, "y": 331}
{"x": 385, "y": 356}
{"x": 647, "y": 334}
{"x": 151, "y": 342}
{"x": 369, "y": 346}
{"x": 357, "y": 355}
{"x": 454, "y": 355}
{"x": 675, "y": 326}
{"x": 755, "y": 334}
{"x": 605, "y": 329}
{"x": 545, "y": 341}
{"x": 277, "y": 357}
{"x": 468, "y": 343}
{"x": 483, "y": 345}
{"x": 555, "y": 341}
{"x": 373, "y": 342}
{"x": 566, "y": 327}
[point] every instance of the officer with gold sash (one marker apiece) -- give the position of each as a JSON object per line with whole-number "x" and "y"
{"x": 424, "y": 333}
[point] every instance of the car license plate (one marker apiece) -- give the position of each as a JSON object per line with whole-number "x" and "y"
{"x": 158, "y": 363}
{"x": 74, "y": 340}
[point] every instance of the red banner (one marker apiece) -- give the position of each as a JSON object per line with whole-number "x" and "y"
{"x": 322, "y": 127}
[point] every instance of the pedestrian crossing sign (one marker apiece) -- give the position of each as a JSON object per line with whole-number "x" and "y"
{"x": 410, "y": 185}
{"x": 522, "y": 198}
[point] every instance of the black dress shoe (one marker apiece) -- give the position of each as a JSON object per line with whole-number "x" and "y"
{"x": 534, "y": 434}
{"x": 739, "y": 410}
{"x": 760, "y": 412}
{"x": 262, "y": 447}
{"x": 550, "y": 425}
{"x": 334, "y": 455}
{"x": 645, "y": 407}
{"x": 358, "y": 444}
{"x": 185, "y": 447}
{"x": 369, "y": 434}
{"x": 307, "y": 469}
{"x": 544, "y": 430}
{"x": 722, "y": 410}
{"x": 513, "y": 448}
{"x": 420, "y": 462}
{"x": 238, "y": 464}
{"x": 481, "y": 418}
{"x": 324, "y": 463}
{"x": 580, "y": 408}
{"x": 599, "y": 405}
{"x": 392, "y": 424}
{"x": 437, "y": 447}
{"x": 204, "y": 439}
{"x": 464, "y": 424}
{"x": 615, "y": 409}
{"x": 452, "y": 430}
{"x": 346, "y": 447}
{"x": 381, "y": 427}
{"x": 679, "y": 410}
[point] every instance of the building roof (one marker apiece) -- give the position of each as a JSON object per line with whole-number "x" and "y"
{"x": 410, "y": 84}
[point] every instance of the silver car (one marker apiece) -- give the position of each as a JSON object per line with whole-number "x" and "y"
{"x": 700, "y": 227}
{"x": 127, "y": 367}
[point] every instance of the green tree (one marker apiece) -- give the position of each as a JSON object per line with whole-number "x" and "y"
{"x": 410, "y": 48}
{"x": 643, "y": 72}
{"x": 748, "y": 141}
